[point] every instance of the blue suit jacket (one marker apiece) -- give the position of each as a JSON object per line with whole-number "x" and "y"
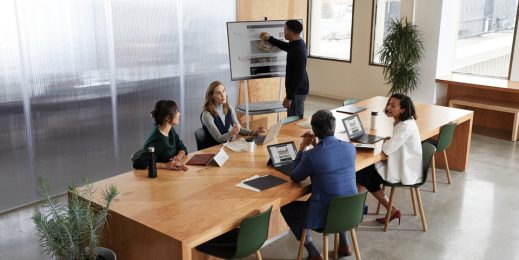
{"x": 331, "y": 167}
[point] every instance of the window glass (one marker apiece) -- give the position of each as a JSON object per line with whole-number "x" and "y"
{"x": 383, "y": 12}
{"x": 330, "y": 29}
{"x": 485, "y": 37}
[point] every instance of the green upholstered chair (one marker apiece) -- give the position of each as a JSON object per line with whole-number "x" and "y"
{"x": 443, "y": 142}
{"x": 349, "y": 101}
{"x": 240, "y": 242}
{"x": 428, "y": 151}
{"x": 290, "y": 119}
{"x": 344, "y": 213}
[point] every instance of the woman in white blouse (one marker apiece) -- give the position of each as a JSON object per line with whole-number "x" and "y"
{"x": 403, "y": 151}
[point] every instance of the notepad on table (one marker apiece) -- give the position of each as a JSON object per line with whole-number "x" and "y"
{"x": 265, "y": 182}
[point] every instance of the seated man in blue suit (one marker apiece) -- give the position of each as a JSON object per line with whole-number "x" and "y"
{"x": 331, "y": 168}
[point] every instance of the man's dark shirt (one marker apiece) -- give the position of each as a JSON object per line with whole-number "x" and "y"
{"x": 296, "y": 78}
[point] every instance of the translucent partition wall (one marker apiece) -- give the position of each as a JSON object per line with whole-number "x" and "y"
{"x": 78, "y": 80}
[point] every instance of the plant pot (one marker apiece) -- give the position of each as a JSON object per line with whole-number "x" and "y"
{"x": 105, "y": 254}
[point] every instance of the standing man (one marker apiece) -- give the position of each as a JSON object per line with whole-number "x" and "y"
{"x": 296, "y": 79}
{"x": 331, "y": 168}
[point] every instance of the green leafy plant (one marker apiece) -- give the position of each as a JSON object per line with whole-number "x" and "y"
{"x": 401, "y": 51}
{"x": 73, "y": 230}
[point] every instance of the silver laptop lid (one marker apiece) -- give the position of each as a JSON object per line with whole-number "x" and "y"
{"x": 353, "y": 126}
{"x": 273, "y": 132}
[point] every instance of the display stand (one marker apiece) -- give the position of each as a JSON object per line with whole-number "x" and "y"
{"x": 258, "y": 108}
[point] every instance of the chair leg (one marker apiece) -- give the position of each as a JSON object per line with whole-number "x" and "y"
{"x": 258, "y": 255}
{"x": 378, "y": 205}
{"x": 325, "y": 246}
{"x": 388, "y": 213}
{"x": 447, "y": 167}
{"x": 413, "y": 201}
{"x": 515, "y": 131}
{"x": 420, "y": 205}
{"x": 433, "y": 174}
{"x": 355, "y": 244}
{"x": 336, "y": 246}
{"x": 301, "y": 245}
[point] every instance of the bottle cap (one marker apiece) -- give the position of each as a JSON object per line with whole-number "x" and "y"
{"x": 151, "y": 149}
{"x": 374, "y": 113}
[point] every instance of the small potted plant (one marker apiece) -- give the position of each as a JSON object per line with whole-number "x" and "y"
{"x": 73, "y": 230}
{"x": 401, "y": 51}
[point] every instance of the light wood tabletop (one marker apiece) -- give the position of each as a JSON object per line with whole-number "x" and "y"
{"x": 166, "y": 217}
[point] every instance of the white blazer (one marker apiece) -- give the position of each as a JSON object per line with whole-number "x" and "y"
{"x": 404, "y": 155}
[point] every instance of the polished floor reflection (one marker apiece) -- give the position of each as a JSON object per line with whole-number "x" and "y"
{"x": 473, "y": 218}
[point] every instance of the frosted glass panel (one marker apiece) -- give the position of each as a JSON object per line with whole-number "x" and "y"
{"x": 147, "y": 61}
{"x": 78, "y": 80}
{"x": 205, "y": 58}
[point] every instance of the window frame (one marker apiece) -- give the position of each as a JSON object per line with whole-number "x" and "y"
{"x": 309, "y": 34}
{"x": 513, "y": 43}
{"x": 372, "y": 34}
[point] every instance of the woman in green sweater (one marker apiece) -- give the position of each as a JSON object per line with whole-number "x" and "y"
{"x": 169, "y": 149}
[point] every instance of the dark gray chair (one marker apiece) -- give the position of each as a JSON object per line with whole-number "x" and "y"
{"x": 201, "y": 139}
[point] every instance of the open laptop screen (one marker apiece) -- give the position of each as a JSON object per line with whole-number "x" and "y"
{"x": 282, "y": 153}
{"x": 353, "y": 126}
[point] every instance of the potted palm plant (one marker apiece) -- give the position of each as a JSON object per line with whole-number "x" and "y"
{"x": 401, "y": 51}
{"x": 73, "y": 230}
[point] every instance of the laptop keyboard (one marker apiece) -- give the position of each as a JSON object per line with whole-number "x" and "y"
{"x": 286, "y": 168}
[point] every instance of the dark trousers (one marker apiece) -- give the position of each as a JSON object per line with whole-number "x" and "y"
{"x": 294, "y": 214}
{"x": 297, "y": 107}
{"x": 369, "y": 178}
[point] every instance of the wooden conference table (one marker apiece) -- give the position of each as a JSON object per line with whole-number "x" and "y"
{"x": 166, "y": 217}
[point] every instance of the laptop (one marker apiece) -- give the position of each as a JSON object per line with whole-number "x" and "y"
{"x": 350, "y": 109}
{"x": 355, "y": 131}
{"x": 272, "y": 133}
{"x": 282, "y": 156}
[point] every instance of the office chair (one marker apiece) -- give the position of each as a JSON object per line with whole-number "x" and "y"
{"x": 240, "y": 242}
{"x": 428, "y": 151}
{"x": 344, "y": 213}
{"x": 443, "y": 142}
{"x": 200, "y": 138}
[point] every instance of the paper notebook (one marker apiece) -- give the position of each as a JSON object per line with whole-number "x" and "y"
{"x": 265, "y": 182}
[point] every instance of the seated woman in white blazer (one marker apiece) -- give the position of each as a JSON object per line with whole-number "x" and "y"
{"x": 404, "y": 154}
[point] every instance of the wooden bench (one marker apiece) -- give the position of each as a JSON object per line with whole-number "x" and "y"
{"x": 489, "y": 104}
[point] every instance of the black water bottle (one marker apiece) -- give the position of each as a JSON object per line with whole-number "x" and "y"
{"x": 152, "y": 166}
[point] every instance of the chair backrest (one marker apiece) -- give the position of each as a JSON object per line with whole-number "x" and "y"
{"x": 445, "y": 137}
{"x": 201, "y": 139}
{"x": 253, "y": 234}
{"x": 136, "y": 155}
{"x": 290, "y": 119}
{"x": 349, "y": 101}
{"x": 345, "y": 213}
{"x": 428, "y": 150}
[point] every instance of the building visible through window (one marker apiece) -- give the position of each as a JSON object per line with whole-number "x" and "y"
{"x": 330, "y": 29}
{"x": 485, "y": 37}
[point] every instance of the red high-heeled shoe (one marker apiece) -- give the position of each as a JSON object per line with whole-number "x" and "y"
{"x": 395, "y": 214}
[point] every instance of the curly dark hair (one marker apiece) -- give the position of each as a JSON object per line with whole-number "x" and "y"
{"x": 405, "y": 103}
{"x": 163, "y": 109}
{"x": 323, "y": 123}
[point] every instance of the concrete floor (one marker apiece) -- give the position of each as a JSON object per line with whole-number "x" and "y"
{"x": 473, "y": 218}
